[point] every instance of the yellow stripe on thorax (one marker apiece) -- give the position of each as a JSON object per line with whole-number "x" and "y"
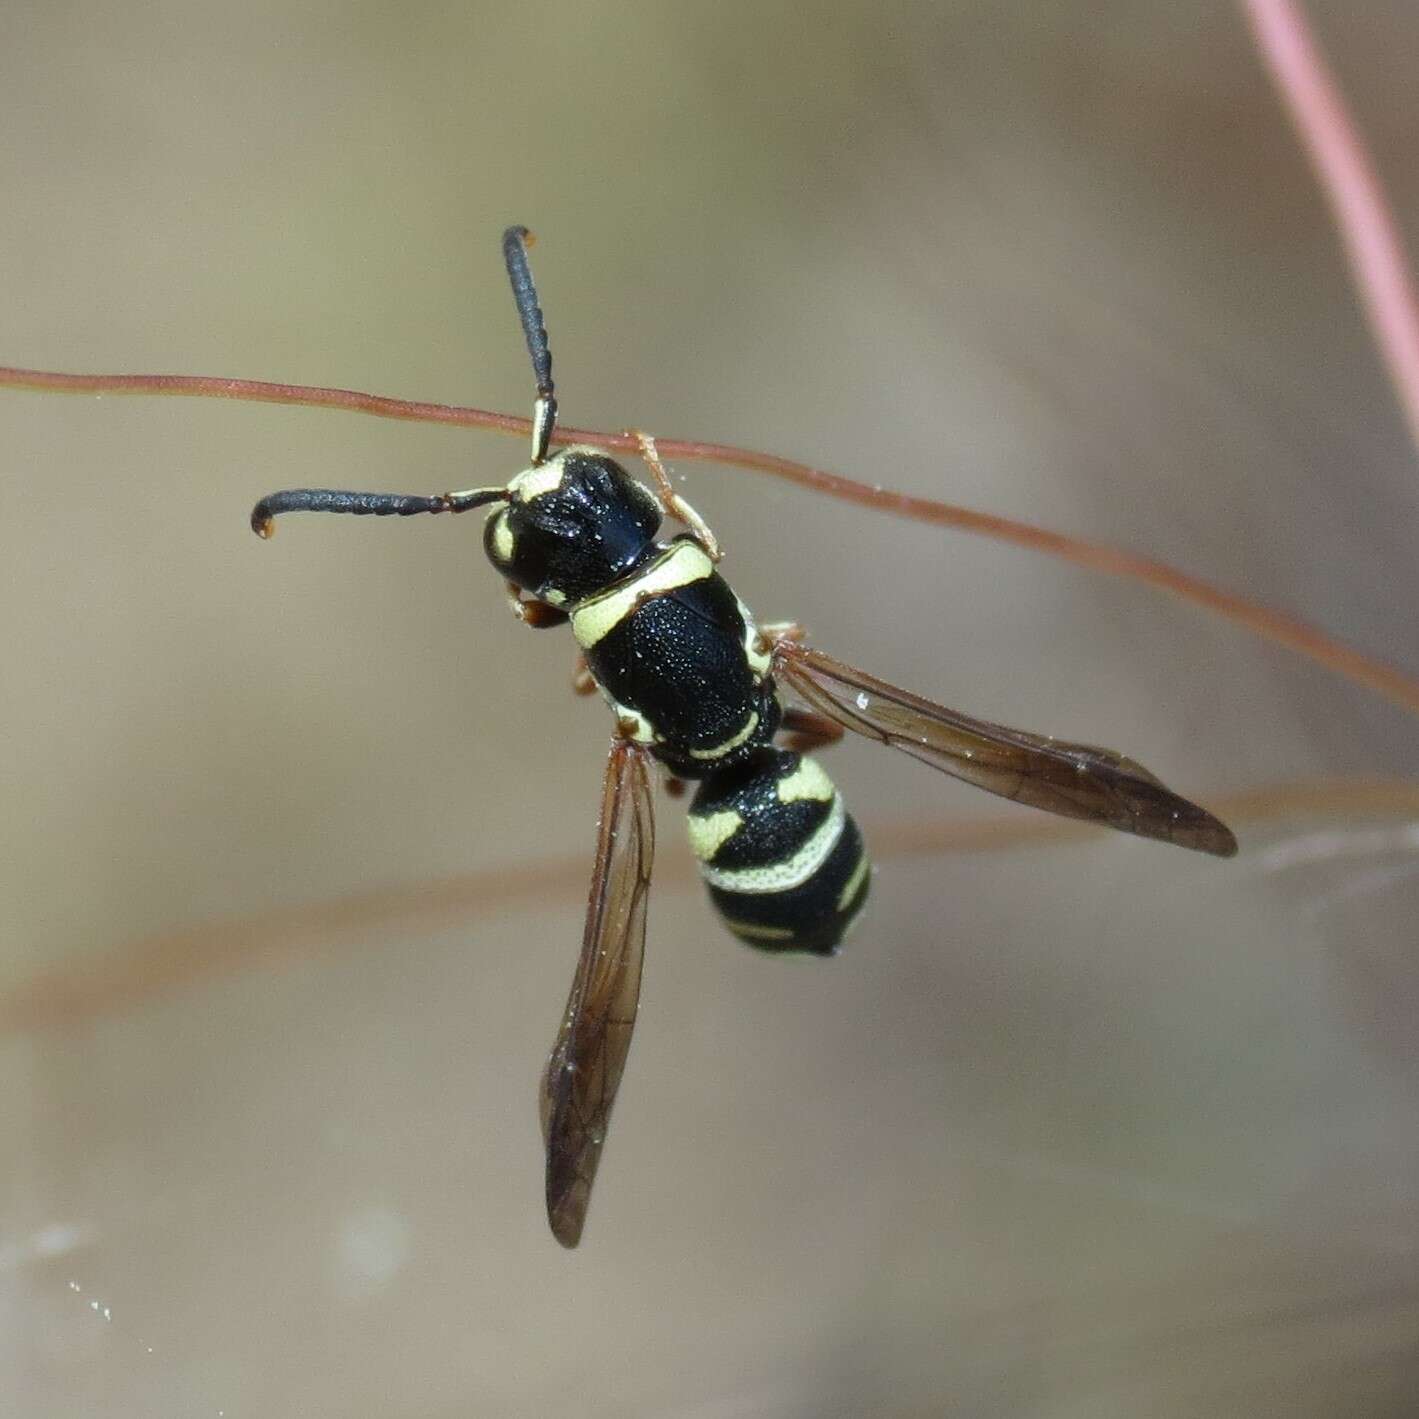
{"x": 681, "y": 564}
{"x": 718, "y": 751}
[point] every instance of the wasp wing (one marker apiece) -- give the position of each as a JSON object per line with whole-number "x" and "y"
{"x": 1074, "y": 780}
{"x": 585, "y": 1067}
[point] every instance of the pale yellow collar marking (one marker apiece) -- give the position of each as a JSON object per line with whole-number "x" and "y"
{"x": 681, "y": 564}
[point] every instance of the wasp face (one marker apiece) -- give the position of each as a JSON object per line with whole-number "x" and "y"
{"x": 571, "y": 527}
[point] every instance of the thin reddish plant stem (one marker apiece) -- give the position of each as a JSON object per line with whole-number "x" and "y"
{"x": 1347, "y": 176}
{"x": 261, "y": 391}
{"x": 1276, "y": 626}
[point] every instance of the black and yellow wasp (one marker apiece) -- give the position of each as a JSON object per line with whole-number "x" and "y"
{"x": 695, "y": 684}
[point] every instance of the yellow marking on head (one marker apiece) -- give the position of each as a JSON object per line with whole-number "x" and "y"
{"x": 850, "y": 888}
{"x": 792, "y": 871}
{"x": 681, "y": 564}
{"x": 547, "y": 477}
{"x": 710, "y": 831}
{"x": 503, "y": 540}
{"x": 553, "y": 597}
{"x": 533, "y": 482}
{"x": 720, "y": 750}
{"x": 806, "y": 781}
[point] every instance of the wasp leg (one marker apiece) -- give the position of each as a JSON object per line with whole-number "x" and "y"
{"x": 674, "y": 787}
{"x": 582, "y": 681}
{"x": 807, "y": 731}
{"x": 536, "y": 614}
{"x": 673, "y": 504}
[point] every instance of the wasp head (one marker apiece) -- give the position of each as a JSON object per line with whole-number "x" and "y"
{"x": 571, "y": 526}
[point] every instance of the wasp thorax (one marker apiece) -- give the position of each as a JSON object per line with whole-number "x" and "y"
{"x": 571, "y": 527}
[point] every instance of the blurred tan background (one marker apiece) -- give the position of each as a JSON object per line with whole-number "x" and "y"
{"x": 1090, "y": 1129}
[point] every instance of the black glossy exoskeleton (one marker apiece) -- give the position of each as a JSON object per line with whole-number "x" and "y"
{"x": 695, "y": 684}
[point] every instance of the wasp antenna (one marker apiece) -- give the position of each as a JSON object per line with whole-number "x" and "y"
{"x": 264, "y": 514}
{"x": 516, "y": 240}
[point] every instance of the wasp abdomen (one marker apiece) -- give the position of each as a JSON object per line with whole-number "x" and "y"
{"x": 783, "y": 860}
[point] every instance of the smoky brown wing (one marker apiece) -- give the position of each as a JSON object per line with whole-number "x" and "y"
{"x": 1074, "y": 780}
{"x": 587, "y": 1060}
